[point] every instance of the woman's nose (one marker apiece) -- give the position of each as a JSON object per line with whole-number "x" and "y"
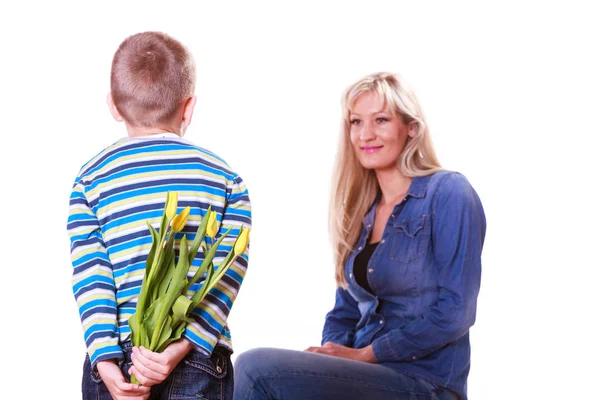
{"x": 367, "y": 132}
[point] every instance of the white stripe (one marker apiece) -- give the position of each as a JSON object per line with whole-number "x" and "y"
{"x": 198, "y": 328}
{"x": 130, "y": 256}
{"x": 79, "y": 206}
{"x": 94, "y": 292}
{"x": 82, "y": 248}
{"x": 81, "y": 228}
{"x": 153, "y": 176}
{"x": 101, "y": 340}
{"x": 160, "y": 200}
{"x": 91, "y": 271}
{"x": 97, "y": 316}
{"x": 154, "y": 156}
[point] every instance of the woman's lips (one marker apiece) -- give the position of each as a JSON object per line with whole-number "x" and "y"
{"x": 370, "y": 149}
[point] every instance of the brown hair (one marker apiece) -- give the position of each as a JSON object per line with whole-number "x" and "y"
{"x": 152, "y": 75}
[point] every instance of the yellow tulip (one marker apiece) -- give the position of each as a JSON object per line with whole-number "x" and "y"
{"x": 171, "y": 208}
{"x": 242, "y": 242}
{"x": 213, "y": 225}
{"x": 180, "y": 219}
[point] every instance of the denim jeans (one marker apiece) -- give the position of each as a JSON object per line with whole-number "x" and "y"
{"x": 287, "y": 374}
{"x": 195, "y": 377}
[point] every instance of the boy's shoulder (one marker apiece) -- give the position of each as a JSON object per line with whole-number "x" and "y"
{"x": 147, "y": 151}
{"x": 99, "y": 158}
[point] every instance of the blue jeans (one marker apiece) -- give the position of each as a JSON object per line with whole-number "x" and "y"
{"x": 288, "y": 374}
{"x": 195, "y": 377}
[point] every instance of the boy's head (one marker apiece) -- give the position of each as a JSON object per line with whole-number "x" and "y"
{"x": 152, "y": 78}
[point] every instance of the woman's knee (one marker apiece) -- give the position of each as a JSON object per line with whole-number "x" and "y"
{"x": 258, "y": 361}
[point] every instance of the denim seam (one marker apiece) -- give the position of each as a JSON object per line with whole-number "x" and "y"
{"x": 272, "y": 383}
{"x": 172, "y": 385}
{"x": 437, "y": 190}
{"x": 207, "y": 369}
{"x": 365, "y": 383}
{"x": 441, "y": 386}
{"x": 420, "y": 246}
{"x": 389, "y": 345}
{"x": 452, "y": 365}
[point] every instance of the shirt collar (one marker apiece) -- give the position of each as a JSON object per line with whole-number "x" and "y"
{"x": 418, "y": 189}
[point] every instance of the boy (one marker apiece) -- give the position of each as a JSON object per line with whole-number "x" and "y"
{"x": 115, "y": 193}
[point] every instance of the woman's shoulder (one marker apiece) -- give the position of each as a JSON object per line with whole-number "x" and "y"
{"x": 446, "y": 180}
{"x": 446, "y": 185}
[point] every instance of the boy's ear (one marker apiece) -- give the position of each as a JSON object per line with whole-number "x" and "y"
{"x": 188, "y": 112}
{"x": 113, "y": 108}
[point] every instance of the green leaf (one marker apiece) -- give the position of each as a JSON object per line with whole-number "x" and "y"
{"x": 155, "y": 240}
{"x": 210, "y": 282}
{"x": 181, "y": 308}
{"x": 165, "y": 334}
{"x": 151, "y": 318}
{"x": 164, "y": 222}
{"x": 135, "y": 330}
{"x": 166, "y": 279}
{"x": 177, "y": 283}
{"x": 144, "y": 341}
{"x": 163, "y": 272}
{"x": 201, "y": 293}
{"x": 207, "y": 261}
{"x": 178, "y": 328}
{"x": 199, "y": 238}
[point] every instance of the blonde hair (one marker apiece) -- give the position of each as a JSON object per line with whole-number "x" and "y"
{"x": 152, "y": 75}
{"x": 354, "y": 188}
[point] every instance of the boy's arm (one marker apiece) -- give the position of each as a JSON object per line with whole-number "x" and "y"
{"x": 211, "y": 315}
{"x": 93, "y": 282}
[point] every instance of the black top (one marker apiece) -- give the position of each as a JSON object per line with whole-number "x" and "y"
{"x": 360, "y": 266}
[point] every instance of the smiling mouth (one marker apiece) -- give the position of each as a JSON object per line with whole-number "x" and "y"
{"x": 370, "y": 149}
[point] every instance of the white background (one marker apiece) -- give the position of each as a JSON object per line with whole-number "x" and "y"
{"x": 511, "y": 92}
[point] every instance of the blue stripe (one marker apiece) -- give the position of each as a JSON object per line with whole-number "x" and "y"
{"x": 98, "y": 328}
{"x": 95, "y": 286}
{"x": 162, "y": 165}
{"x": 89, "y": 257}
{"x": 92, "y": 263}
{"x": 160, "y": 186}
{"x": 92, "y": 279}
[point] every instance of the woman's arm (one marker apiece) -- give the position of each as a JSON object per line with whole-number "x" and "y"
{"x": 340, "y": 322}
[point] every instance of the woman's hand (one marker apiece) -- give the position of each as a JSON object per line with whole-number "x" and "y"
{"x": 332, "y": 349}
{"x": 151, "y": 368}
{"x": 118, "y": 387}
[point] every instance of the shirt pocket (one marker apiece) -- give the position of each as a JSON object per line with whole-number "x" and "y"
{"x": 410, "y": 239}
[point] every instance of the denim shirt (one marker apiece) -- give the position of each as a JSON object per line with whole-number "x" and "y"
{"x": 425, "y": 275}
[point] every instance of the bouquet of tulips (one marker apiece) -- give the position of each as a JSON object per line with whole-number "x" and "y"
{"x": 163, "y": 306}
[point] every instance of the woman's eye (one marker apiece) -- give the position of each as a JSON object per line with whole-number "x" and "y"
{"x": 355, "y": 121}
{"x": 381, "y": 120}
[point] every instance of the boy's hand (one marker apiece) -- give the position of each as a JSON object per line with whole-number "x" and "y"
{"x": 152, "y": 368}
{"x": 118, "y": 387}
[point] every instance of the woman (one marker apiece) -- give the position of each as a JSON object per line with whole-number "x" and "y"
{"x": 408, "y": 238}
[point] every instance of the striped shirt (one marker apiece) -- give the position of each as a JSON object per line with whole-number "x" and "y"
{"x": 113, "y": 196}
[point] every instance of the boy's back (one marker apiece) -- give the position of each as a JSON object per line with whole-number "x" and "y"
{"x": 114, "y": 195}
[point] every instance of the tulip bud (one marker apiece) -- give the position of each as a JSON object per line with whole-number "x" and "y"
{"x": 171, "y": 208}
{"x": 213, "y": 225}
{"x": 180, "y": 219}
{"x": 242, "y": 242}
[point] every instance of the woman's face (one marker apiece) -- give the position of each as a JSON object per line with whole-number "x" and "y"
{"x": 378, "y": 136}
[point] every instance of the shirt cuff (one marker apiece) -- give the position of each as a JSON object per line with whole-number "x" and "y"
{"x": 383, "y": 350}
{"x": 108, "y": 353}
